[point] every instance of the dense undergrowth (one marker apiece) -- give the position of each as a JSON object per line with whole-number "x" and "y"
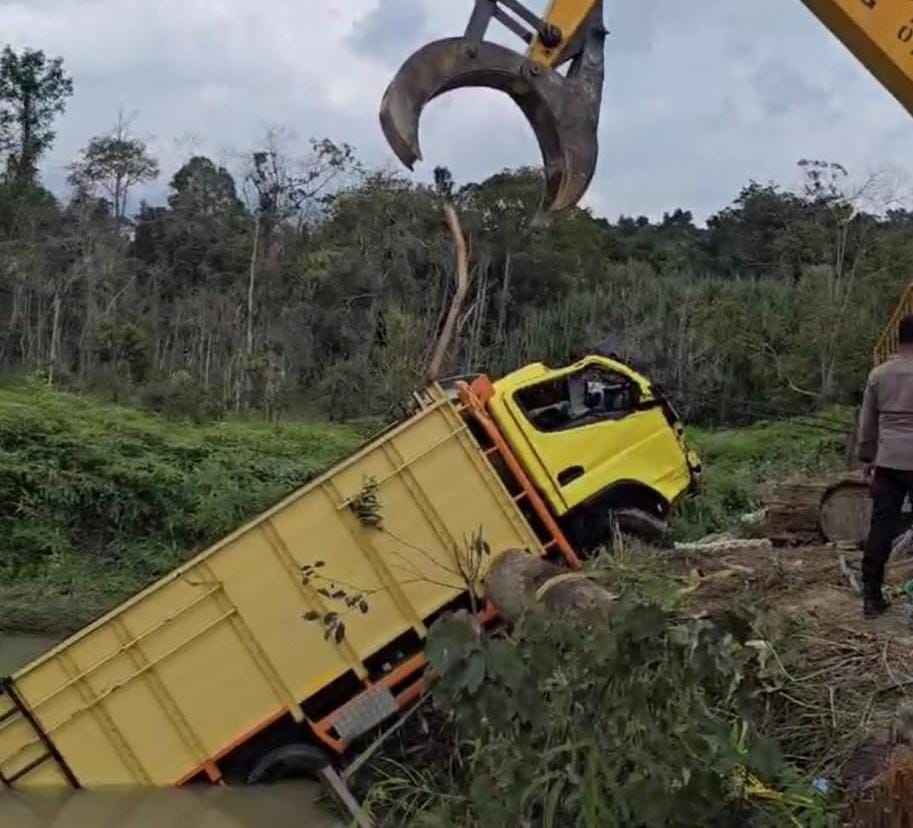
{"x": 98, "y": 500}
{"x": 662, "y": 716}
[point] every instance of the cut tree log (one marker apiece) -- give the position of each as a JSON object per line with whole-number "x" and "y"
{"x": 846, "y": 511}
{"x": 793, "y": 510}
{"x": 836, "y": 509}
{"x": 518, "y": 583}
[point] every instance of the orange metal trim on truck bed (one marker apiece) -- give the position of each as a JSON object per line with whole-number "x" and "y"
{"x": 474, "y": 397}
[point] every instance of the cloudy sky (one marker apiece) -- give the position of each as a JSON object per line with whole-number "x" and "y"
{"x": 701, "y": 95}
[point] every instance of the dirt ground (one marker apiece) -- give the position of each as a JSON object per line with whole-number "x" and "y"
{"x": 808, "y": 580}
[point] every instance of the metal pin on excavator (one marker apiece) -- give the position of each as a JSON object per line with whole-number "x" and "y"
{"x": 563, "y": 109}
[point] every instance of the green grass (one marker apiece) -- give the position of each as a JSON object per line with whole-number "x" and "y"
{"x": 97, "y": 501}
{"x": 737, "y": 462}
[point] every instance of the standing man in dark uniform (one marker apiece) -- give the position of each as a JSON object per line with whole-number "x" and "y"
{"x": 886, "y": 449}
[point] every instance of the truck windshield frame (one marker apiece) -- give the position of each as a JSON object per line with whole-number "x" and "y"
{"x": 587, "y": 396}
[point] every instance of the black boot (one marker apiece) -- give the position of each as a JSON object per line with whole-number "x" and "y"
{"x": 874, "y": 603}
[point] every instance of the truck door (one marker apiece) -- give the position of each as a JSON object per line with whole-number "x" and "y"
{"x": 593, "y": 427}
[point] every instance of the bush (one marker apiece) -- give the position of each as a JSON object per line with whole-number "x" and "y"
{"x": 647, "y": 722}
{"x": 179, "y": 395}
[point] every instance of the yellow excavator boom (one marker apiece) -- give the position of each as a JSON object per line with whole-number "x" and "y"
{"x": 567, "y": 17}
{"x": 879, "y": 33}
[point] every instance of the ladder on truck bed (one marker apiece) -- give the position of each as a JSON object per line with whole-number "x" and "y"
{"x": 35, "y": 748}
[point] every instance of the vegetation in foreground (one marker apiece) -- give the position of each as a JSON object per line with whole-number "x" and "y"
{"x": 96, "y": 500}
{"x": 662, "y": 717}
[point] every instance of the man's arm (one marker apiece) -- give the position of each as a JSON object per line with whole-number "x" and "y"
{"x": 867, "y": 441}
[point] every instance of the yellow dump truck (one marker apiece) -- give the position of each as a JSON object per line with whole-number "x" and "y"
{"x": 281, "y": 646}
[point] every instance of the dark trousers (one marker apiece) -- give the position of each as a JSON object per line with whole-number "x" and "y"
{"x": 889, "y": 489}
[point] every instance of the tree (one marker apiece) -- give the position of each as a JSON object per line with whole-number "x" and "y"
{"x": 281, "y": 190}
{"x": 113, "y": 164}
{"x": 33, "y": 90}
{"x": 197, "y": 237}
{"x": 201, "y": 188}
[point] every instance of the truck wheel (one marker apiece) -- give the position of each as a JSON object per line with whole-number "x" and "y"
{"x": 643, "y": 525}
{"x": 296, "y": 760}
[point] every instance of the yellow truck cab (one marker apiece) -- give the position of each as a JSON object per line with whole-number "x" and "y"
{"x": 597, "y": 439}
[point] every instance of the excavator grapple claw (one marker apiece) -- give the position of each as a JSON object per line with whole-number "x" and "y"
{"x": 562, "y": 109}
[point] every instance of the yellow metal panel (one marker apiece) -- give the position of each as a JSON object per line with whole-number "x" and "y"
{"x": 511, "y": 426}
{"x": 219, "y": 687}
{"x": 880, "y": 34}
{"x": 208, "y": 654}
{"x": 19, "y": 745}
{"x": 46, "y": 775}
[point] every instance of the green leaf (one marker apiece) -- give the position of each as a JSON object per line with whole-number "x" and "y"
{"x": 505, "y": 664}
{"x": 764, "y": 757}
{"x": 474, "y": 674}
{"x": 450, "y": 639}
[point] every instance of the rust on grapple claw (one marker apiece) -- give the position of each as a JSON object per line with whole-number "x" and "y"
{"x": 562, "y": 109}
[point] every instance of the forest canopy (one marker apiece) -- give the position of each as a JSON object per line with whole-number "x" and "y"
{"x": 301, "y": 280}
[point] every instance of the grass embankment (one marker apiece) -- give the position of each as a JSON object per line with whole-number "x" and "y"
{"x": 97, "y": 501}
{"x": 738, "y": 462}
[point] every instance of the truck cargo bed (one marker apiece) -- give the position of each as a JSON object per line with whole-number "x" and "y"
{"x": 161, "y": 688}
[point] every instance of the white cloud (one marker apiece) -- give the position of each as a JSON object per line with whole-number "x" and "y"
{"x": 699, "y": 98}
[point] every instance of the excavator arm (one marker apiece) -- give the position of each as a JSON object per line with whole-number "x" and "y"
{"x": 563, "y": 108}
{"x": 880, "y": 34}
{"x": 564, "y": 20}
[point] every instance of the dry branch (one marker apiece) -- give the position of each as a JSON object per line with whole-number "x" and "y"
{"x": 462, "y": 288}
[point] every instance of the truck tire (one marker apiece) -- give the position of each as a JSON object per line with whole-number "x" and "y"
{"x": 296, "y": 760}
{"x": 643, "y": 526}
{"x": 593, "y": 530}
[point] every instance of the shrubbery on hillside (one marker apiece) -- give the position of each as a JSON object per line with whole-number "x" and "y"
{"x": 96, "y": 500}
